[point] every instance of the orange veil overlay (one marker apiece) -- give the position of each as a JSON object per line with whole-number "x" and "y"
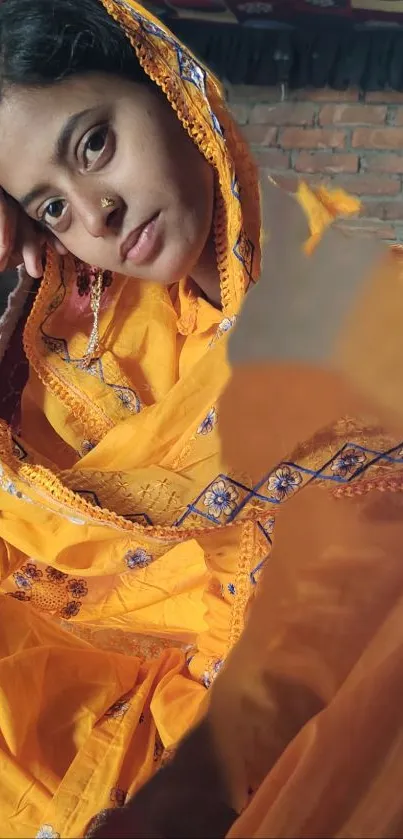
{"x": 316, "y": 727}
{"x": 333, "y": 655}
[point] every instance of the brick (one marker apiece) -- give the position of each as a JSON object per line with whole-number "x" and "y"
{"x": 389, "y": 97}
{"x": 326, "y": 162}
{"x": 384, "y": 210}
{"x": 368, "y": 184}
{"x": 352, "y": 115}
{"x": 240, "y": 112}
{"x": 285, "y": 113}
{"x": 361, "y": 227}
{"x": 377, "y": 138}
{"x": 399, "y": 116}
{"x": 260, "y": 135}
{"x": 252, "y": 93}
{"x": 326, "y": 94}
{"x": 312, "y": 138}
{"x": 290, "y": 180}
{"x": 272, "y": 159}
{"x": 392, "y": 164}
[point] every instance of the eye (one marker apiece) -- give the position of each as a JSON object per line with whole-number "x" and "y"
{"x": 96, "y": 147}
{"x": 53, "y": 211}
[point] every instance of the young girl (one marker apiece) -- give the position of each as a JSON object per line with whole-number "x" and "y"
{"x": 129, "y": 548}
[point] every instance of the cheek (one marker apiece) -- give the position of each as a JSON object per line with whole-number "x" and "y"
{"x": 79, "y": 243}
{"x": 203, "y": 198}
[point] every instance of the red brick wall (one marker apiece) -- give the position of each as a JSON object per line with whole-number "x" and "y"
{"x": 324, "y": 136}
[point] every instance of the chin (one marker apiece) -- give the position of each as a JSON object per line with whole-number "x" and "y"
{"x": 168, "y": 269}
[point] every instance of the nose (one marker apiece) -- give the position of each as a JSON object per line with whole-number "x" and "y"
{"x": 102, "y": 217}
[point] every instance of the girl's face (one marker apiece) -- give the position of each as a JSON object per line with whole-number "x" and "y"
{"x": 65, "y": 148}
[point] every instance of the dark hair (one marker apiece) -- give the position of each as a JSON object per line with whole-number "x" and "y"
{"x": 46, "y": 41}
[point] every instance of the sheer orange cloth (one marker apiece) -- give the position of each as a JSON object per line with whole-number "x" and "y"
{"x": 327, "y": 633}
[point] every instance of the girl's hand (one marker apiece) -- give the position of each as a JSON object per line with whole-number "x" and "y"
{"x": 21, "y": 239}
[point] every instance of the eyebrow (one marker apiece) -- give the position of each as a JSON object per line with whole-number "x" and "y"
{"x": 61, "y": 150}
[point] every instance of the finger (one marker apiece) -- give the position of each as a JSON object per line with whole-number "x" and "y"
{"x": 7, "y": 228}
{"x": 61, "y": 249}
{"x": 32, "y": 258}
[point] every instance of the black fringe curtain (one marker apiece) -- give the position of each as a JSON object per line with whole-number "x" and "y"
{"x": 369, "y": 59}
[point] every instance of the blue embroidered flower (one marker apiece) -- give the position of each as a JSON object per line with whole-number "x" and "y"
{"x": 138, "y": 559}
{"x": 284, "y": 482}
{"x": 47, "y": 832}
{"x": 348, "y": 461}
{"x": 21, "y": 581}
{"x": 30, "y": 570}
{"x": 71, "y": 609}
{"x": 231, "y": 588}
{"x": 221, "y": 499}
{"x": 55, "y": 576}
{"x": 77, "y": 588}
{"x": 208, "y": 423}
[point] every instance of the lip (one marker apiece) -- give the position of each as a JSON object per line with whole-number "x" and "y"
{"x": 139, "y": 245}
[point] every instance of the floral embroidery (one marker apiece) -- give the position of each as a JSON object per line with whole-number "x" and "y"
{"x": 20, "y": 595}
{"x": 87, "y": 447}
{"x": 231, "y": 588}
{"x": 77, "y": 588}
{"x": 21, "y": 581}
{"x": 31, "y": 571}
{"x": 119, "y": 708}
{"x": 221, "y": 499}
{"x": 208, "y": 676}
{"x": 55, "y": 576}
{"x": 50, "y": 590}
{"x": 268, "y": 524}
{"x": 47, "y": 832}
{"x": 223, "y": 327}
{"x": 86, "y": 275}
{"x": 284, "y": 482}
{"x": 118, "y": 796}
{"x": 348, "y": 461}
{"x": 208, "y": 423}
{"x": 71, "y": 609}
{"x": 8, "y": 486}
{"x": 138, "y": 558}
{"x": 226, "y": 324}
